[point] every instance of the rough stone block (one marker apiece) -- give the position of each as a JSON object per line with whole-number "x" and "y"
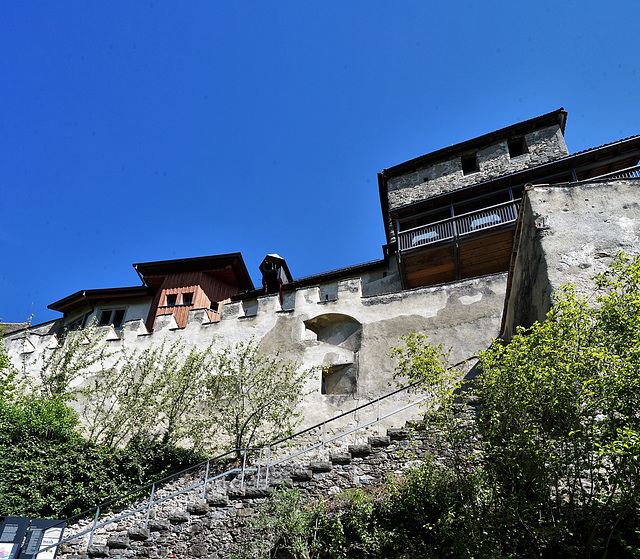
{"x": 198, "y": 508}
{"x": 281, "y": 483}
{"x": 359, "y": 449}
{"x": 245, "y": 511}
{"x": 256, "y": 493}
{"x": 398, "y": 434}
{"x": 340, "y": 458}
{"x": 320, "y": 466}
{"x": 158, "y": 525}
{"x": 301, "y": 475}
{"x": 98, "y": 551}
{"x": 139, "y": 534}
{"x": 235, "y": 493}
{"x": 364, "y": 479}
{"x": 379, "y": 440}
{"x": 218, "y": 500}
{"x": 118, "y": 542}
{"x": 198, "y": 550}
{"x": 178, "y": 517}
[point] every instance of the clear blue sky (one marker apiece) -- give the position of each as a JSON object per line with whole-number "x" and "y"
{"x": 138, "y": 131}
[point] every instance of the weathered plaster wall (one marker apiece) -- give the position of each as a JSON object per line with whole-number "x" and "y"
{"x": 544, "y": 145}
{"x": 351, "y": 334}
{"x": 569, "y": 234}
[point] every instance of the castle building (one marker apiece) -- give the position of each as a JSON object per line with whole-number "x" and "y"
{"x": 479, "y": 234}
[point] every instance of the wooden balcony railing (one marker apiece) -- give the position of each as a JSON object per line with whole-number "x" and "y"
{"x": 465, "y": 224}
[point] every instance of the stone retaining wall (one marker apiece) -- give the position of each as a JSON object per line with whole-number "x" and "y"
{"x": 186, "y": 526}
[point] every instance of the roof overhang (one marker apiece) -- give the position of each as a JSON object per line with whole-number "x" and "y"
{"x": 87, "y": 297}
{"x": 229, "y": 268}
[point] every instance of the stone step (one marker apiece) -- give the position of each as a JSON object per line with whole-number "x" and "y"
{"x": 359, "y": 450}
{"x": 399, "y": 434}
{"x": 319, "y": 467}
{"x": 379, "y": 441}
{"x": 301, "y": 475}
{"x": 340, "y": 459}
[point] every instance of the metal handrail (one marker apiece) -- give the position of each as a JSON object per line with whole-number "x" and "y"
{"x": 243, "y": 470}
{"x": 627, "y": 173}
{"x": 452, "y": 227}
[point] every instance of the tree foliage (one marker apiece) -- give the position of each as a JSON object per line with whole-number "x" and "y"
{"x": 136, "y": 408}
{"x": 254, "y": 396}
{"x": 156, "y": 394}
{"x": 549, "y": 467}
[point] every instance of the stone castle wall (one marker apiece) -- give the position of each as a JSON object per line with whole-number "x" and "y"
{"x": 219, "y": 524}
{"x": 349, "y": 336}
{"x": 543, "y": 146}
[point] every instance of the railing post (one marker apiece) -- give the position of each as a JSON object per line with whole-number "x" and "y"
{"x": 266, "y": 476}
{"x": 324, "y": 437}
{"x": 153, "y": 491}
{"x": 244, "y": 463}
{"x": 259, "y": 464}
{"x": 93, "y": 528}
{"x": 206, "y": 479}
{"x": 378, "y": 417}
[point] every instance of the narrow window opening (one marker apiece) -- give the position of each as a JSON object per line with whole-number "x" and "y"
{"x": 118, "y": 317}
{"x": 517, "y": 146}
{"x": 105, "y": 318}
{"x": 470, "y": 164}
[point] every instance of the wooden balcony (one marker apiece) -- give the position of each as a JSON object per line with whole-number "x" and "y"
{"x": 465, "y": 246}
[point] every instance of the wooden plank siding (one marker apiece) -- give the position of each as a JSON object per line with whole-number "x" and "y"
{"x": 207, "y": 291}
{"x": 476, "y": 256}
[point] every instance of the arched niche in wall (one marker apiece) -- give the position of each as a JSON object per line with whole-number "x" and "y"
{"x": 336, "y": 329}
{"x": 340, "y": 367}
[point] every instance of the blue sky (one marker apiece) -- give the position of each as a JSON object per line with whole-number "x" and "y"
{"x": 139, "y": 131}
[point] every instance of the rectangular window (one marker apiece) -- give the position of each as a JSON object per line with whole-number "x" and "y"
{"x": 171, "y": 300}
{"x": 105, "y": 317}
{"x": 517, "y": 146}
{"x": 187, "y": 298}
{"x": 470, "y": 164}
{"x": 111, "y": 316}
{"x": 118, "y": 317}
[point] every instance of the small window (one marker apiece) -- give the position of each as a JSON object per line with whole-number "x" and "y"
{"x": 75, "y": 325}
{"x": 118, "y": 317}
{"x": 187, "y": 298}
{"x": 112, "y": 316}
{"x": 171, "y": 300}
{"x": 517, "y": 146}
{"x": 470, "y": 164}
{"x": 105, "y": 318}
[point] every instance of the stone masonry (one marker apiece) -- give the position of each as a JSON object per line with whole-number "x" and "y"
{"x": 186, "y": 526}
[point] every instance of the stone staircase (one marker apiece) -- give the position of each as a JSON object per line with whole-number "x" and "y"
{"x": 188, "y": 526}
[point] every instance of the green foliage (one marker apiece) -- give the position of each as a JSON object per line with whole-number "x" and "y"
{"x": 66, "y": 366}
{"x": 424, "y": 364}
{"x": 136, "y": 408}
{"x": 550, "y": 467}
{"x": 155, "y": 394}
{"x": 49, "y": 470}
{"x": 559, "y": 417}
{"x": 254, "y": 396}
{"x": 12, "y": 383}
{"x": 283, "y": 526}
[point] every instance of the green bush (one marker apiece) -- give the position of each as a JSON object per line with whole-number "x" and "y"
{"x": 49, "y": 470}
